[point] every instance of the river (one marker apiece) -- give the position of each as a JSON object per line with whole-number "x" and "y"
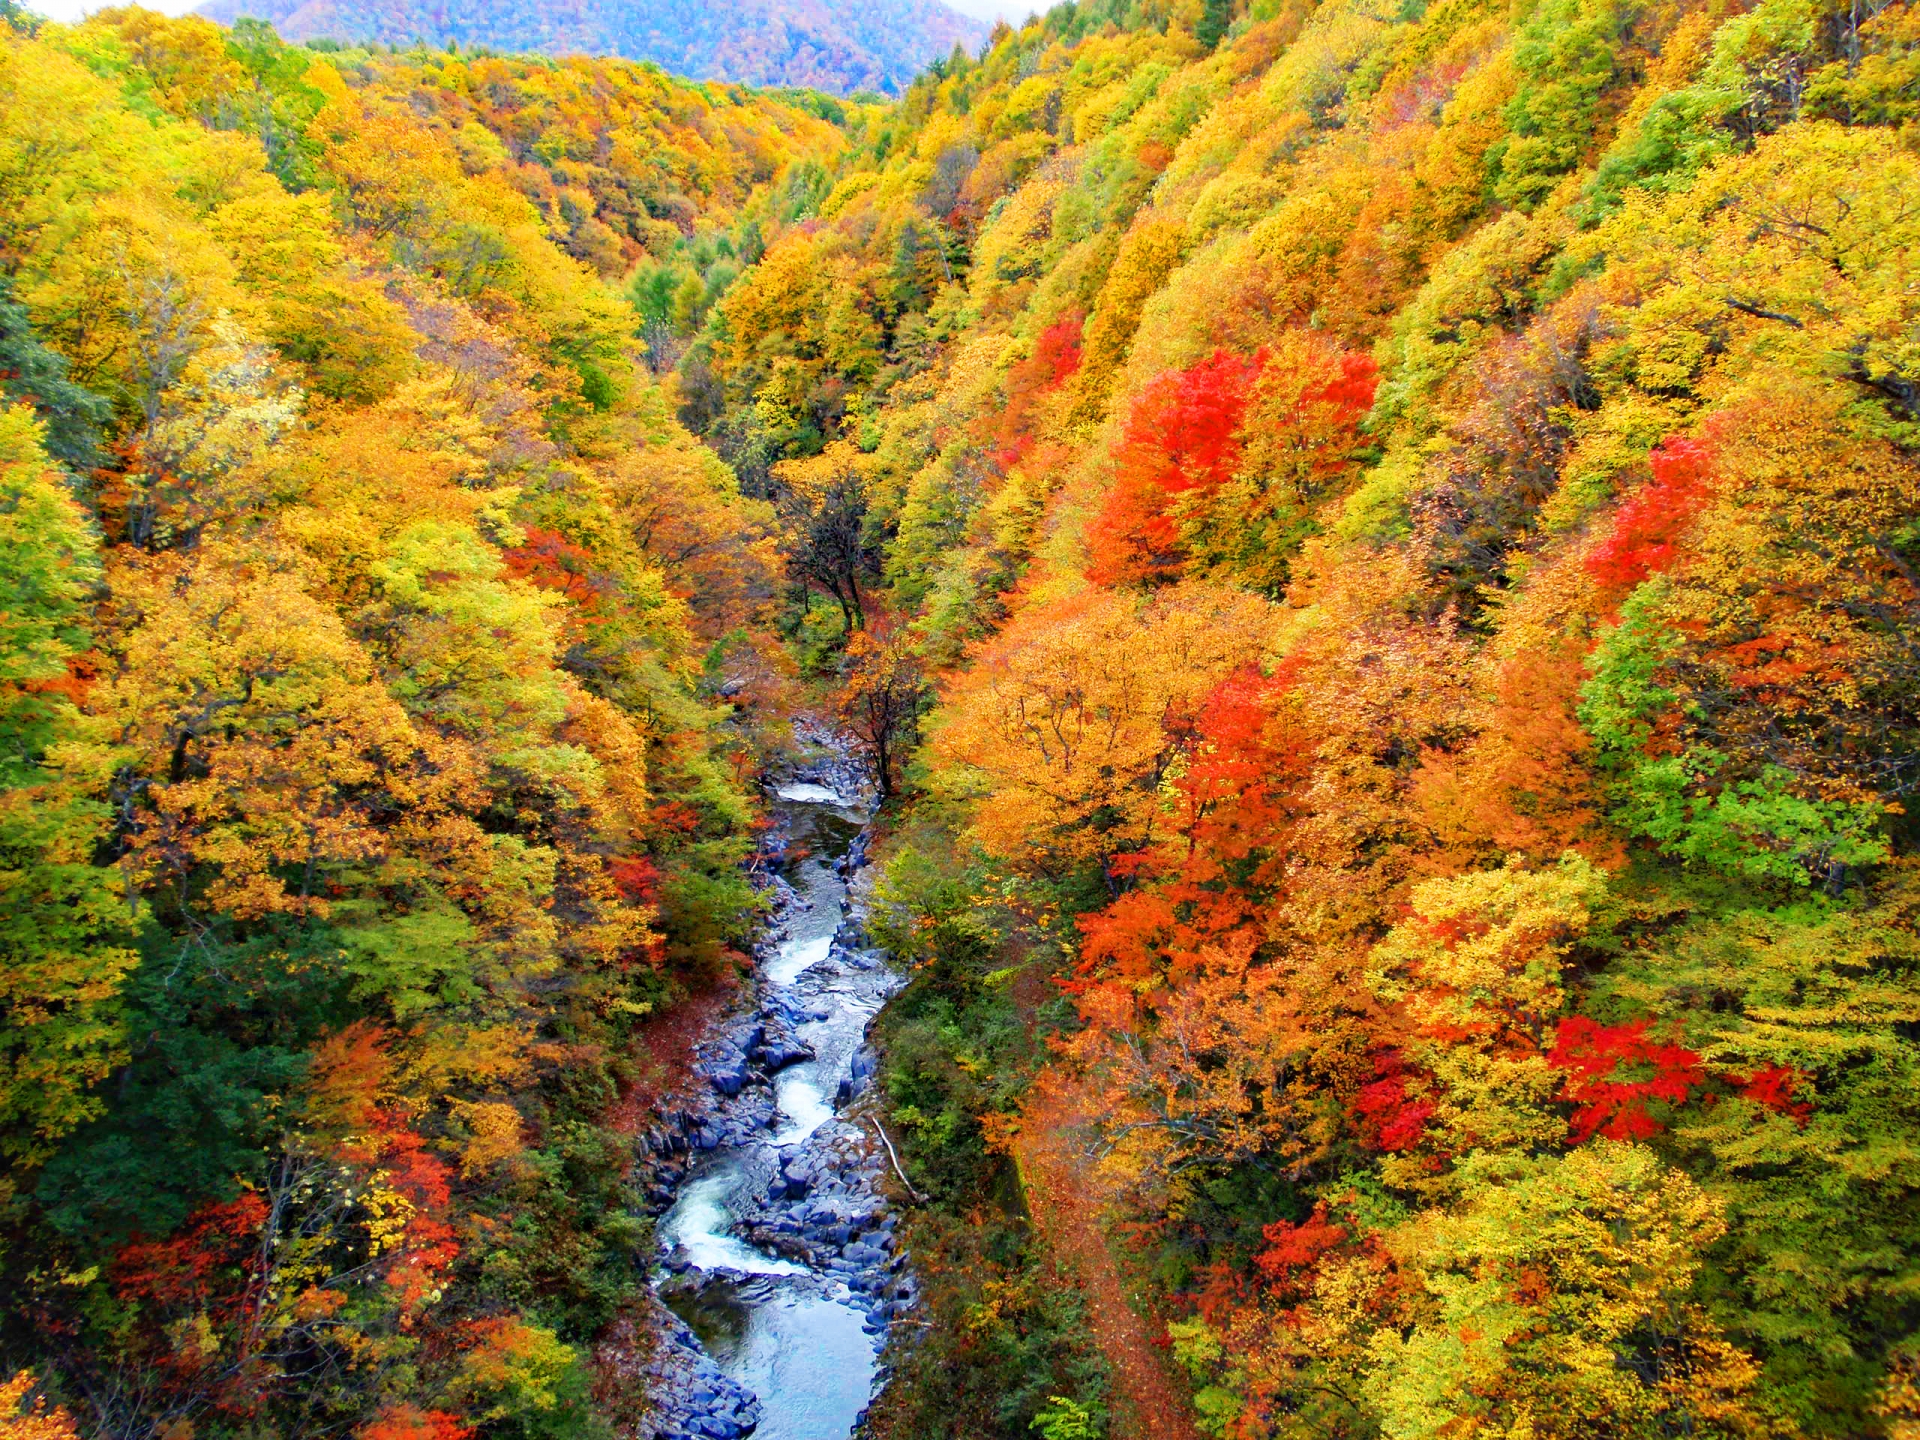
{"x": 777, "y": 1252}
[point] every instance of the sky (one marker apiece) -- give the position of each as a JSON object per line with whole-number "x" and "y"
{"x": 1005, "y": 10}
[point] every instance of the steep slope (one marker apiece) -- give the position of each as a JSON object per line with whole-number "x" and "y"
{"x": 1376, "y": 546}
{"x": 839, "y": 46}
{"x": 1408, "y": 516}
{"x": 343, "y": 539}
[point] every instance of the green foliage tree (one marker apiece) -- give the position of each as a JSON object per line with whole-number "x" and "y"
{"x": 64, "y": 938}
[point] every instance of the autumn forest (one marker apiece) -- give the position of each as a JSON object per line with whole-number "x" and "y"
{"x": 1369, "y": 551}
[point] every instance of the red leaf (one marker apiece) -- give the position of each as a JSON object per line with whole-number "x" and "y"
{"x": 1183, "y": 434}
{"x": 1614, "y": 1071}
{"x": 409, "y": 1422}
{"x": 1775, "y": 1086}
{"x": 1390, "y": 1118}
{"x": 1296, "y": 1249}
{"x": 1648, "y": 525}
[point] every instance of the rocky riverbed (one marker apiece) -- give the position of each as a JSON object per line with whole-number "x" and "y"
{"x": 778, "y": 1271}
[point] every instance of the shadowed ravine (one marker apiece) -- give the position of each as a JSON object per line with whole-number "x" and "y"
{"x": 777, "y": 1252}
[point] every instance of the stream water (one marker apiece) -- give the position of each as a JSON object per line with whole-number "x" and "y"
{"x": 778, "y": 1252}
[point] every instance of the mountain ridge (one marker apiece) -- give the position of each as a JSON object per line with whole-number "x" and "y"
{"x": 820, "y": 44}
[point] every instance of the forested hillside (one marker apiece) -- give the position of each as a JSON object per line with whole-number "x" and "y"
{"x": 839, "y": 46}
{"x": 369, "y": 788}
{"x": 1375, "y": 548}
{"x": 1410, "y": 513}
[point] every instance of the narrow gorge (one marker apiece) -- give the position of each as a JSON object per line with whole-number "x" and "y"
{"x": 778, "y": 1262}
{"x": 1208, "y": 730}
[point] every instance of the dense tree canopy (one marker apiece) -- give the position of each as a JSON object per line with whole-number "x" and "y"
{"x": 1413, "y": 519}
{"x": 368, "y": 782}
{"x": 1377, "y": 550}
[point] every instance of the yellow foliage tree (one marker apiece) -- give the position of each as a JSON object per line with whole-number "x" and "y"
{"x": 1071, "y": 717}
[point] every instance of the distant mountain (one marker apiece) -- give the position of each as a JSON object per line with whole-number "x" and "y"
{"x": 835, "y": 45}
